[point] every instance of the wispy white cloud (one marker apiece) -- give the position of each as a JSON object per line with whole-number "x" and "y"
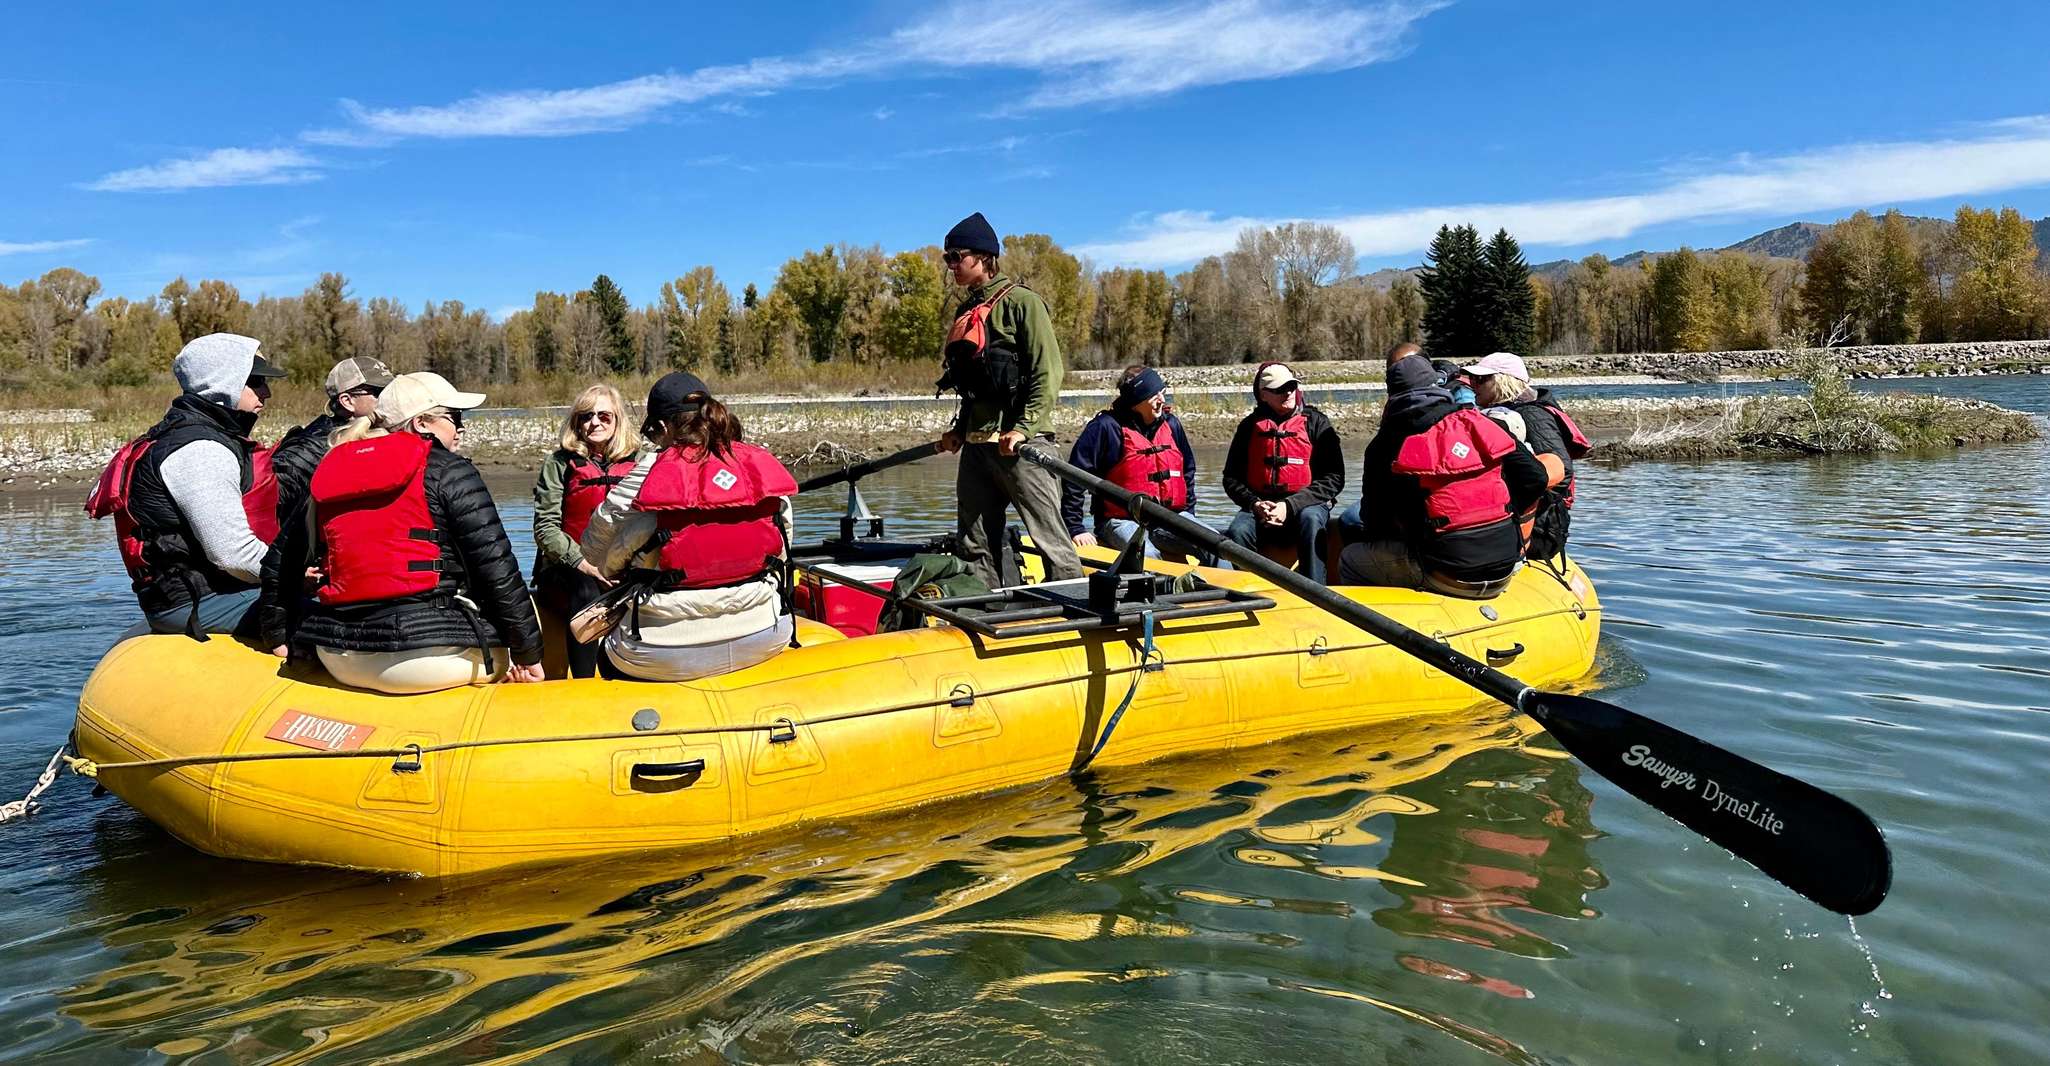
{"x": 31, "y": 247}
{"x": 2011, "y": 154}
{"x": 1093, "y": 53}
{"x": 220, "y": 167}
{"x": 1085, "y": 53}
{"x": 882, "y": 114}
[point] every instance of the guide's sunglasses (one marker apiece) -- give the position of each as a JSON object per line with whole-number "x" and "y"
{"x": 951, "y": 258}
{"x": 363, "y": 390}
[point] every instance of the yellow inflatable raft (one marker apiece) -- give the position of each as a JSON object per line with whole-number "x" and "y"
{"x": 241, "y": 758}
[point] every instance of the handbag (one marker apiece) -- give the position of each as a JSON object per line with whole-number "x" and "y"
{"x": 600, "y": 615}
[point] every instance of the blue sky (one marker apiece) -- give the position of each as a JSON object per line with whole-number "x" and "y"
{"x": 431, "y": 152}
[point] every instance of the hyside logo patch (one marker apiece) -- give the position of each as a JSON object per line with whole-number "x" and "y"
{"x": 1712, "y": 792}
{"x": 1461, "y": 450}
{"x": 725, "y": 479}
{"x": 321, "y": 734}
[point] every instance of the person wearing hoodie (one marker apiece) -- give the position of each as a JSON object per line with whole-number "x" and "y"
{"x": 420, "y": 588}
{"x": 352, "y": 388}
{"x": 1137, "y": 444}
{"x": 1501, "y": 383}
{"x": 1002, "y": 357}
{"x": 1285, "y": 469}
{"x": 1441, "y": 487}
{"x": 194, "y": 503}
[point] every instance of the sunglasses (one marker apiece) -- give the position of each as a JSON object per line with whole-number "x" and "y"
{"x": 363, "y": 390}
{"x": 453, "y": 418}
{"x": 950, "y": 258}
{"x": 595, "y": 416}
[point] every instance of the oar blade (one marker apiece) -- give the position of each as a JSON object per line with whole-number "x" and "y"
{"x": 1812, "y": 841}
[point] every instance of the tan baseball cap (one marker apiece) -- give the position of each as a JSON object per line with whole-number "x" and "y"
{"x": 412, "y": 395}
{"x": 1275, "y": 376}
{"x": 354, "y": 373}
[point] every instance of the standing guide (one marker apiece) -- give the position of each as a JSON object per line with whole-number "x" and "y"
{"x": 1285, "y": 469}
{"x": 1003, "y": 360}
{"x": 193, "y": 500}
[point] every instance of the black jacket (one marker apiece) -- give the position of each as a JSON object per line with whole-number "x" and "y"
{"x": 1392, "y": 504}
{"x": 476, "y": 560}
{"x": 178, "y": 567}
{"x": 294, "y": 459}
{"x": 1327, "y": 463}
{"x": 1548, "y": 437}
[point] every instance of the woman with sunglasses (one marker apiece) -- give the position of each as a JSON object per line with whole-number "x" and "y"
{"x": 598, "y": 449}
{"x": 420, "y": 589}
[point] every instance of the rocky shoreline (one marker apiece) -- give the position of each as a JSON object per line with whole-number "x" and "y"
{"x": 52, "y": 449}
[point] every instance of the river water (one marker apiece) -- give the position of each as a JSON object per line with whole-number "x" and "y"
{"x": 1880, "y": 627}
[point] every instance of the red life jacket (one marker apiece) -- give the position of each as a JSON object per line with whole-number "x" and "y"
{"x": 1458, "y": 462}
{"x": 969, "y": 336}
{"x": 585, "y": 488}
{"x": 370, "y": 498}
{"x": 1149, "y": 466}
{"x": 1577, "y": 446}
{"x": 1278, "y": 463}
{"x": 110, "y": 497}
{"x": 718, "y": 513}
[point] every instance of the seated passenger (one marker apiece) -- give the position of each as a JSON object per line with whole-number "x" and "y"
{"x": 1137, "y": 444}
{"x": 1285, "y": 469}
{"x": 1441, "y": 487}
{"x": 193, "y": 500}
{"x": 420, "y": 588}
{"x": 701, "y": 526}
{"x": 1500, "y": 380}
{"x": 352, "y": 387}
{"x": 598, "y": 450}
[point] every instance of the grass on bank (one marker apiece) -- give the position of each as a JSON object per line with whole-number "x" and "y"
{"x": 1831, "y": 419}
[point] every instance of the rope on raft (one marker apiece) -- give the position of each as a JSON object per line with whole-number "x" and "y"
{"x": 1149, "y": 659}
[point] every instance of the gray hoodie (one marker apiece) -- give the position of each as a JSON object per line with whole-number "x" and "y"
{"x": 205, "y": 478}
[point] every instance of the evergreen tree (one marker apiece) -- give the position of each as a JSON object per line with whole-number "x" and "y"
{"x": 1508, "y": 305}
{"x": 618, "y": 343}
{"x": 1454, "y": 299}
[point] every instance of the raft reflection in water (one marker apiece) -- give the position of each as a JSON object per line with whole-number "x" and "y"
{"x": 988, "y": 922}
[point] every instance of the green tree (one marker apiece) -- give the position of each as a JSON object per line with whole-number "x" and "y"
{"x": 914, "y": 321}
{"x": 1865, "y": 282}
{"x": 1132, "y": 309}
{"x": 1508, "y": 314}
{"x": 1407, "y": 302}
{"x": 816, "y": 290}
{"x": 1682, "y": 304}
{"x": 693, "y": 308}
{"x": 1997, "y": 293}
{"x": 1453, "y": 283}
{"x": 551, "y": 327}
{"x": 333, "y": 320}
{"x": 617, "y": 344}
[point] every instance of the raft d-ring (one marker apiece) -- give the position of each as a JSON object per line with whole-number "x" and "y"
{"x": 782, "y": 731}
{"x": 1320, "y": 646}
{"x": 962, "y": 695}
{"x": 400, "y": 765}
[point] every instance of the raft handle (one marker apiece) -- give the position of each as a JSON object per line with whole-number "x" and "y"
{"x": 783, "y": 731}
{"x": 961, "y": 696}
{"x": 409, "y": 763}
{"x": 1498, "y": 656}
{"x": 669, "y": 771}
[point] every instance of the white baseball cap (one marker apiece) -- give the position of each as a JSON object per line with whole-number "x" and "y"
{"x": 413, "y": 395}
{"x": 1507, "y": 363}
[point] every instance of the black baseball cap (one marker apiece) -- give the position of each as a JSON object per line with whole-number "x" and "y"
{"x": 668, "y": 399}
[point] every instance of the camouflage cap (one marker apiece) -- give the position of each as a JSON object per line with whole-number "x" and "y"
{"x": 357, "y": 372}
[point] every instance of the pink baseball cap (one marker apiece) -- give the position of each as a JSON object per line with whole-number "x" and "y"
{"x": 1501, "y": 363}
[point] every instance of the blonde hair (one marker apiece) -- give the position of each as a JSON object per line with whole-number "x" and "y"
{"x": 625, "y": 441}
{"x": 1494, "y": 390}
{"x": 364, "y": 427}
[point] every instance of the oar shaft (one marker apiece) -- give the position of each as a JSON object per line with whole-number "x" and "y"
{"x": 862, "y": 470}
{"x": 1148, "y": 510}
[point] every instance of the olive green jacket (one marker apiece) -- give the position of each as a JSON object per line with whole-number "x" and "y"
{"x": 1020, "y": 321}
{"x": 552, "y": 546}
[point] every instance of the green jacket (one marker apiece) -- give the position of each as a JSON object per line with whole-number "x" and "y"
{"x": 552, "y": 546}
{"x": 1021, "y": 321}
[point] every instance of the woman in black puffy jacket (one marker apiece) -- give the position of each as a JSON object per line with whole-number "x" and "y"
{"x": 419, "y": 588}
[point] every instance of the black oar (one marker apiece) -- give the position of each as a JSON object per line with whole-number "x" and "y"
{"x": 1812, "y": 841}
{"x": 862, "y": 470}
